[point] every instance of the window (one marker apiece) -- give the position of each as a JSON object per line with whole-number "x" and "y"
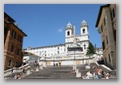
{"x": 9, "y": 20}
{"x": 13, "y": 34}
{"x": 12, "y": 48}
{"x": 68, "y": 33}
{"x": 19, "y": 38}
{"x": 58, "y": 48}
{"x": 101, "y": 28}
{"x": 113, "y": 13}
{"x": 106, "y": 40}
{"x": 115, "y": 36}
{"x": 5, "y": 33}
{"x": 105, "y": 61}
{"x": 103, "y": 45}
{"x": 17, "y": 51}
{"x": 84, "y": 46}
{"x": 109, "y": 57}
{"x": 83, "y": 30}
{"x": 104, "y": 21}
{"x": 9, "y": 63}
{"x": 58, "y": 52}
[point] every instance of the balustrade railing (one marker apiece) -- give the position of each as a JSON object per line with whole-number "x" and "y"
{"x": 17, "y": 70}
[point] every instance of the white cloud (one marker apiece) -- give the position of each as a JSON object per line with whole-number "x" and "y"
{"x": 60, "y": 30}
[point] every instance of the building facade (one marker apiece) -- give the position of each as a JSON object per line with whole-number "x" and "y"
{"x": 82, "y": 39}
{"x": 47, "y": 52}
{"x": 99, "y": 53}
{"x": 61, "y": 50}
{"x": 13, "y": 42}
{"x": 29, "y": 58}
{"x": 106, "y": 23}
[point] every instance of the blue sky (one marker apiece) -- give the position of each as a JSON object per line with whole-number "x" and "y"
{"x": 45, "y": 24}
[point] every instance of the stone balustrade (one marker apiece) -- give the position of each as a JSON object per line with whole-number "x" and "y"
{"x": 65, "y": 58}
{"x": 27, "y": 68}
{"x": 17, "y": 70}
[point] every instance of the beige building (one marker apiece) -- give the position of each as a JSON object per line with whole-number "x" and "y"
{"x": 106, "y": 23}
{"x": 13, "y": 42}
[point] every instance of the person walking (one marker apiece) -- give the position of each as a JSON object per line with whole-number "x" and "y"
{"x": 13, "y": 71}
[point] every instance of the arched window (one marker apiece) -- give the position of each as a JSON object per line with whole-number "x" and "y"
{"x": 68, "y": 33}
{"x": 83, "y": 30}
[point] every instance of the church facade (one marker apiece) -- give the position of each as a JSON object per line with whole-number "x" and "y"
{"x": 60, "y": 53}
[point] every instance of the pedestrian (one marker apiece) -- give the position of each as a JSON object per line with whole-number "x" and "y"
{"x": 95, "y": 75}
{"x": 83, "y": 77}
{"x": 54, "y": 64}
{"x": 73, "y": 72}
{"x": 23, "y": 70}
{"x": 20, "y": 76}
{"x": 99, "y": 72}
{"x": 90, "y": 75}
{"x": 102, "y": 74}
{"x": 87, "y": 77}
{"x": 107, "y": 76}
{"x": 13, "y": 71}
{"x": 94, "y": 67}
{"x": 16, "y": 76}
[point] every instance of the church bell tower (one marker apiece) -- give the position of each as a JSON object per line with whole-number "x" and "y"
{"x": 68, "y": 32}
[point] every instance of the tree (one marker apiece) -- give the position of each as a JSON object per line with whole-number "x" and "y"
{"x": 90, "y": 50}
